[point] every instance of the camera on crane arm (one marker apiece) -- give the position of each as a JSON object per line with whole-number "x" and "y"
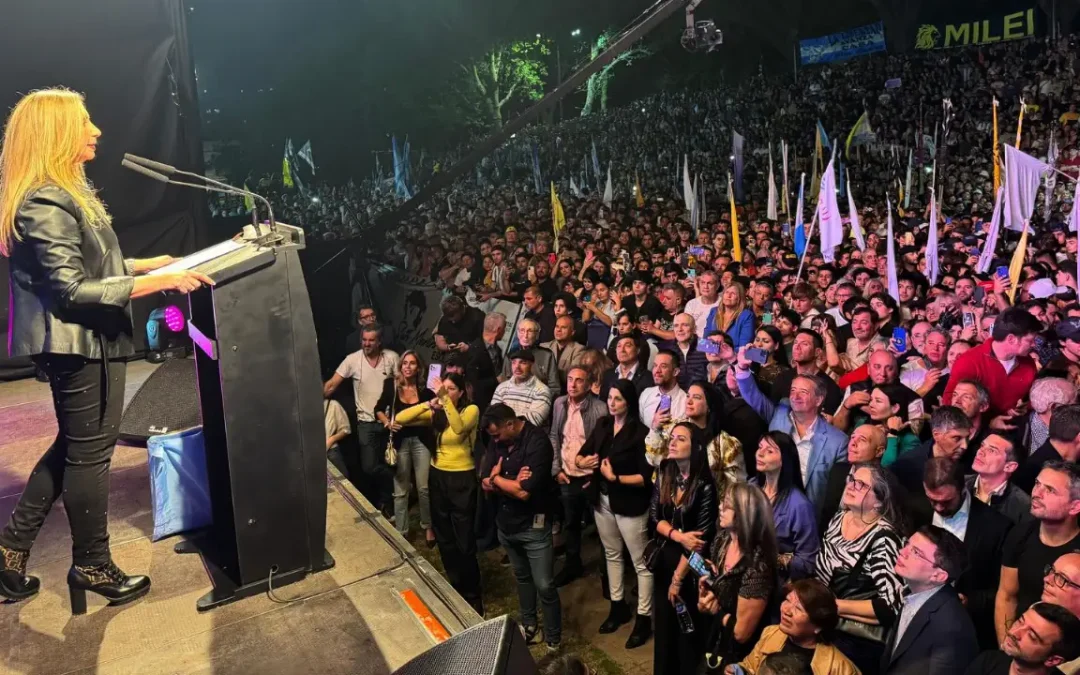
{"x": 700, "y": 36}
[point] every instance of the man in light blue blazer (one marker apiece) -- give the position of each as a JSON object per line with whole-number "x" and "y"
{"x": 820, "y": 444}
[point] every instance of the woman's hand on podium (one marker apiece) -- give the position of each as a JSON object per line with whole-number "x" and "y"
{"x": 186, "y": 281}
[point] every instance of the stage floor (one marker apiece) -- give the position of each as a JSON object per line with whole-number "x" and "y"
{"x": 353, "y": 620}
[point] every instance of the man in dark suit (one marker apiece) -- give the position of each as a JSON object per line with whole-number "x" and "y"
{"x": 950, "y": 506}
{"x": 484, "y": 360}
{"x": 933, "y": 634}
{"x": 627, "y": 368}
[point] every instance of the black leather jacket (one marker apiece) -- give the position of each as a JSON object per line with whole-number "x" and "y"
{"x": 699, "y": 512}
{"x": 70, "y": 286}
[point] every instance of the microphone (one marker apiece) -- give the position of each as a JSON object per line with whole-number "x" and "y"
{"x": 161, "y": 172}
{"x": 163, "y": 169}
{"x": 149, "y": 173}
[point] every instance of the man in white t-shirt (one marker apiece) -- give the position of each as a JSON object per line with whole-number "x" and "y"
{"x": 369, "y": 368}
{"x": 704, "y": 305}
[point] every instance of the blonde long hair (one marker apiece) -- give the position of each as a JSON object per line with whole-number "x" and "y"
{"x": 42, "y": 144}
{"x": 725, "y": 318}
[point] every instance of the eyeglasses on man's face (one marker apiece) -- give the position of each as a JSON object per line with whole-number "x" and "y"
{"x": 1058, "y": 579}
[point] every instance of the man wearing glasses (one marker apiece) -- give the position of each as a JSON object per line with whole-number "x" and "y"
{"x": 1055, "y": 505}
{"x": 1061, "y": 586}
{"x": 367, "y": 316}
{"x": 933, "y": 632}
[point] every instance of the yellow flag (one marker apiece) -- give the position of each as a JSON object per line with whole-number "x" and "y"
{"x": 815, "y": 184}
{"x": 1017, "y": 264}
{"x": 286, "y": 174}
{"x": 558, "y": 219}
{"x": 249, "y": 201}
{"x": 736, "y": 245}
{"x": 997, "y": 159}
{"x": 637, "y": 190}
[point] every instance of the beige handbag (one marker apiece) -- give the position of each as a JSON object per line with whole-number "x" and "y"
{"x": 391, "y": 452}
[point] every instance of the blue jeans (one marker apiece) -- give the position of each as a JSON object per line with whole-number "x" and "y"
{"x": 532, "y": 556}
{"x": 412, "y": 457}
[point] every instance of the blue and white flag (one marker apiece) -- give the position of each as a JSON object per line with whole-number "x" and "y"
{"x": 894, "y": 283}
{"x": 986, "y": 257}
{"x": 843, "y": 45}
{"x": 800, "y": 227}
{"x": 401, "y": 187}
{"x": 830, "y": 222}
{"x": 688, "y": 187}
{"x": 737, "y": 144}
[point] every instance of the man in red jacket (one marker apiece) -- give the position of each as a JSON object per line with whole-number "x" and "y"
{"x": 1000, "y": 364}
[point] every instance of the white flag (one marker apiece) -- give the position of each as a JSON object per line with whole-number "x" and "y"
{"x": 853, "y": 216}
{"x": 574, "y": 189}
{"x": 907, "y": 181}
{"x": 1022, "y": 176}
{"x": 787, "y": 192}
{"x": 770, "y": 210}
{"x": 305, "y": 154}
{"x": 609, "y": 190}
{"x": 894, "y": 284}
{"x": 830, "y": 222}
{"x": 987, "y": 255}
{"x": 687, "y": 186}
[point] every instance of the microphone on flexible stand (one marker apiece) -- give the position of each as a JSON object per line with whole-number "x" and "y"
{"x": 161, "y": 172}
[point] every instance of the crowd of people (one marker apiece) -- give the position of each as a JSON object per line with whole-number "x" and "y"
{"x": 797, "y": 469}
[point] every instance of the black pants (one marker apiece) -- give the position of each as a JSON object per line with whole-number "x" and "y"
{"x": 453, "y": 516}
{"x": 76, "y": 466}
{"x": 575, "y": 504}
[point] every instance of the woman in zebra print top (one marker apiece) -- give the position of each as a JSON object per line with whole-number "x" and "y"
{"x": 856, "y": 560}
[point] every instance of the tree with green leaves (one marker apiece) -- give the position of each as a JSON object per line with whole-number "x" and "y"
{"x": 596, "y": 87}
{"x": 488, "y": 87}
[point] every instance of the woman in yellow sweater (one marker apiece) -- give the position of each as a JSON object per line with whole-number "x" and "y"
{"x": 452, "y": 483}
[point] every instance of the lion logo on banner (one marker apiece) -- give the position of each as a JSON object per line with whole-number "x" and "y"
{"x": 927, "y": 37}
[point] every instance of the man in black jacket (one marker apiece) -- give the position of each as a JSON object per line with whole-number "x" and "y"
{"x": 951, "y": 507}
{"x": 949, "y": 428}
{"x": 484, "y": 360}
{"x": 627, "y": 368}
{"x": 932, "y": 634}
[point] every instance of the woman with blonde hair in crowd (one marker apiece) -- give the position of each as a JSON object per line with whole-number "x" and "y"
{"x": 414, "y": 443}
{"x": 734, "y": 315}
{"x": 71, "y": 292}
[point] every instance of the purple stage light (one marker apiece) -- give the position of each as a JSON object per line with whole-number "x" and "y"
{"x": 174, "y": 318}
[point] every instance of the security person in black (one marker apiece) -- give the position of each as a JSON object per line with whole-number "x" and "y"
{"x": 517, "y": 474}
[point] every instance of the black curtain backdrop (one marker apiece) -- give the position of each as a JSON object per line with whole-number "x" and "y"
{"x": 133, "y": 61}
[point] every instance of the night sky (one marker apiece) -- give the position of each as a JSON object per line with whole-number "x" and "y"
{"x": 347, "y": 73}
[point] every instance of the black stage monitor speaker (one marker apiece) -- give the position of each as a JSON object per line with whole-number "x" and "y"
{"x": 167, "y": 401}
{"x": 494, "y": 647}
